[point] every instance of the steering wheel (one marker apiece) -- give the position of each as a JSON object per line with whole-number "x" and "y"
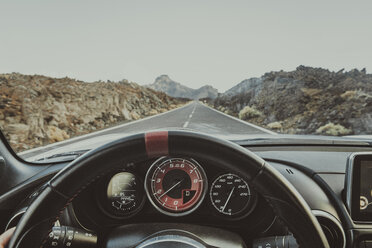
{"x": 61, "y": 190}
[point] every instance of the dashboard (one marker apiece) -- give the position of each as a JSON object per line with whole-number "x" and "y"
{"x": 193, "y": 191}
{"x": 174, "y": 187}
{"x": 171, "y": 189}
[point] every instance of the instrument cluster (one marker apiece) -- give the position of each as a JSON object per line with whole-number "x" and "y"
{"x": 175, "y": 187}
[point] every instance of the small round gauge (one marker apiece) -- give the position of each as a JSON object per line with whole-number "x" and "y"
{"x": 363, "y": 203}
{"x": 124, "y": 194}
{"x": 176, "y": 186}
{"x": 230, "y": 194}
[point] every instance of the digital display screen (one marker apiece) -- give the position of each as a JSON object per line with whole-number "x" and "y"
{"x": 359, "y": 186}
{"x": 365, "y": 187}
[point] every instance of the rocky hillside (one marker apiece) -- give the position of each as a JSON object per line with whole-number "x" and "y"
{"x": 37, "y": 110}
{"x": 243, "y": 86}
{"x": 164, "y": 84}
{"x": 305, "y": 101}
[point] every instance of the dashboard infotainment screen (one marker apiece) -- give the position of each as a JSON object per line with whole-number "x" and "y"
{"x": 366, "y": 187}
{"x": 358, "y": 186}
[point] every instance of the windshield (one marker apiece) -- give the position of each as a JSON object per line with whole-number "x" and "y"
{"x": 81, "y": 73}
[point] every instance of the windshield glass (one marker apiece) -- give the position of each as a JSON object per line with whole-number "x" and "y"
{"x": 77, "y": 74}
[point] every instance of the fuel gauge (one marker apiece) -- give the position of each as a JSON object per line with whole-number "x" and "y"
{"x": 124, "y": 194}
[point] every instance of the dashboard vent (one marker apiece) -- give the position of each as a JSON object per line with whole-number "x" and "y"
{"x": 332, "y": 229}
{"x": 289, "y": 171}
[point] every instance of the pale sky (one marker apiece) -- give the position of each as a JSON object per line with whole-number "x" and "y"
{"x": 195, "y": 42}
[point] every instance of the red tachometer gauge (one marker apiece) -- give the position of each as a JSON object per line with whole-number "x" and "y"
{"x": 176, "y": 186}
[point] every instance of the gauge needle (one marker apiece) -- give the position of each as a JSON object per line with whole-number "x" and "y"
{"x": 170, "y": 188}
{"x": 228, "y": 199}
{"x": 368, "y": 204}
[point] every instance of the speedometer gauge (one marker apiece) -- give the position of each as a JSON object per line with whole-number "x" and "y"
{"x": 176, "y": 186}
{"x": 230, "y": 194}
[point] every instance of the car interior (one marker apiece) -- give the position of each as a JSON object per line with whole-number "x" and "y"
{"x": 181, "y": 188}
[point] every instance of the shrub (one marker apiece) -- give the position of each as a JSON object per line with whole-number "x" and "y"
{"x": 333, "y": 129}
{"x": 275, "y": 125}
{"x": 249, "y": 112}
{"x": 348, "y": 94}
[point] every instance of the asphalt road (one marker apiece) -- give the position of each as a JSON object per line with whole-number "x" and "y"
{"x": 195, "y": 115}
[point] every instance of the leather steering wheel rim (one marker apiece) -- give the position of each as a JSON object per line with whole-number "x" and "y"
{"x": 60, "y": 191}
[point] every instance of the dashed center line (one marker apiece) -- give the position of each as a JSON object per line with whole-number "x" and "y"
{"x": 188, "y": 119}
{"x": 186, "y": 124}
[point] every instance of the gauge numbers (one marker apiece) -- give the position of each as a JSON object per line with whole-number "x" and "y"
{"x": 124, "y": 193}
{"x": 176, "y": 186}
{"x": 230, "y": 194}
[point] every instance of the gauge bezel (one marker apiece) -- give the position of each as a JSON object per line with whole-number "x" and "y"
{"x": 101, "y": 198}
{"x": 165, "y": 211}
{"x": 248, "y": 208}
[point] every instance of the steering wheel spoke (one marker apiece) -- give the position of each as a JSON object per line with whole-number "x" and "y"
{"x": 171, "y": 235}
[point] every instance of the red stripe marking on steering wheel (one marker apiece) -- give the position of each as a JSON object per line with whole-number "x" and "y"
{"x": 156, "y": 143}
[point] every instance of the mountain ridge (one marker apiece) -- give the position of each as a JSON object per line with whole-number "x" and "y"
{"x": 304, "y": 101}
{"x": 244, "y": 85}
{"x": 172, "y": 88}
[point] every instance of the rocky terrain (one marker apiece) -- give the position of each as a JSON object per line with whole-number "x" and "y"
{"x": 37, "y": 110}
{"x": 244, "y": 86}
{"x": 305, "y": 101}
{"x": 164, "y": 84}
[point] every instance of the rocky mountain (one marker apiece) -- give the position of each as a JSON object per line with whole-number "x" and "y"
{"x": 305, "y": 101}
{"x": 243, "y": 86}
{"x": 164, "y": 84}
{"x": 37, "y": 110}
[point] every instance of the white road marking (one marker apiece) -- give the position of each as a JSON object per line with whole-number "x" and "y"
{"x": 100, "y": 131}
{"x": 103, "y": 131}
{"x": 244, "y": 122}
{"x": 188, "y": 119}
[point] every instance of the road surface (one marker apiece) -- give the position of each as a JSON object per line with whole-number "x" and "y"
{"x": 195, "y": 115}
